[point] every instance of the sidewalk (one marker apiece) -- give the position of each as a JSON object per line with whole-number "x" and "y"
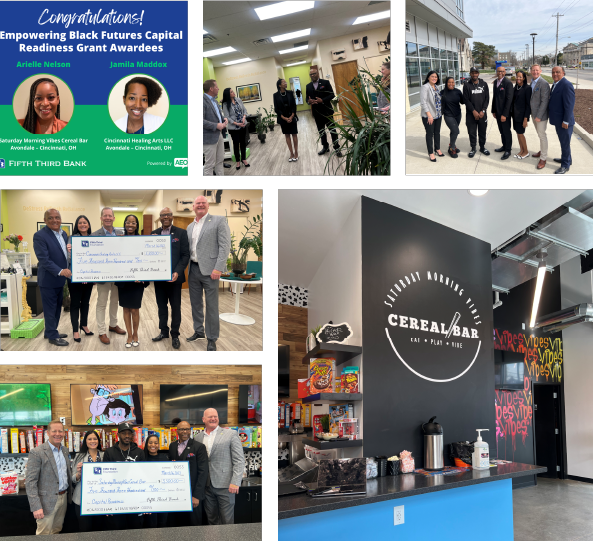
{"x": 418, "y": 162}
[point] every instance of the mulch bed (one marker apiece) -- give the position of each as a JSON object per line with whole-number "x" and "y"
{"x": 583, "y": 109}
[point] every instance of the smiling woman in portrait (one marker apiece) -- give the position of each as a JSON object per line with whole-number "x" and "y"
{"x": 140, "y": 94}
{"x": 43, "y": 111}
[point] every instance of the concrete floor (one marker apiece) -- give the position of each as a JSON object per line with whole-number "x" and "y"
{"x": 553, "y": 510}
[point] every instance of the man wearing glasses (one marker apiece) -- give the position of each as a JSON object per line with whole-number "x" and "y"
{"x": 50, "y": 249}
{"x": 170, "y": 292}
{"x": 186, "y": 448}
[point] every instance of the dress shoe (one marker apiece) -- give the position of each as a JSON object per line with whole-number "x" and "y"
{"x": 196, "y": 336}
{"x": 501, "y": 149}
{"x": 176, "y": 343}
{"x": 537, "y": 155}
{"x": 77, "y": 340}
{"x": 58, "y": 342}
{"x": 211, "y": 345}
{"x": 541, "y": 164}
{"x": 323, "y": 151}
{"x": 104, "y": 338}
{"x": 90, "y": 333}
{"x": 160, "y": 337}
{"x": 452, "y": 152}
{"x": 557, "y": 160}
{"x": 457, "y": 150}
{"x": 338, "y": 153}
{"x": 562, "y": 170}
{"x": 472, "y": 152}
{"x": 485, "y": 151}
{"x": 117, "y": 330}
{"x": 59, "y": 336}
{"x": 505, "y": 156}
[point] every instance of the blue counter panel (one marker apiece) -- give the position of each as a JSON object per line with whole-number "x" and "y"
{"x": 483, "y": 511}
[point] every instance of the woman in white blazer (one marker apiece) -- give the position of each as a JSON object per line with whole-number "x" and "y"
{"x": 234, "y": 110}
{"x": 140, "y": 94}
{"x": 90, "y": 451}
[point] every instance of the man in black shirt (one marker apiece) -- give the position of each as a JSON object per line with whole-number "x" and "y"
{"x": 319, "y": 94}
{"x": 502, "y": 99}
{"x": 477, "y": 98}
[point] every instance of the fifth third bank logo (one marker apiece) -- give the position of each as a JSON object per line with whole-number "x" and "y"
{"x": 2, "y": 164}
{"x": 97, "y": 471}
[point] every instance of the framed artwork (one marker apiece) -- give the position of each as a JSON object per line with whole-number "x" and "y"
{"x": 67, "y": 228}
{"x": 249, "y": 93}
{"x": 383, "y": 46}
{"x": 360, "y": 43}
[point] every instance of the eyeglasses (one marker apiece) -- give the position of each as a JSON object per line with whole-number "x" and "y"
{"x": 183, "y": 429}
{"x": 167, "y": 215}
{"x": 52, "y": 219}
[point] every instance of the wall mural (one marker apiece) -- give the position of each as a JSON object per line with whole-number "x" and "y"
{"x": 514, "y": 409}
{"x": 293, "y": 295}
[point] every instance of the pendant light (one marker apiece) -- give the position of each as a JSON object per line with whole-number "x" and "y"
{"x": 541, "y": 272}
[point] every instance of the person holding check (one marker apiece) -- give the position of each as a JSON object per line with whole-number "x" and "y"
{"x": 152, "y": 446}
{"x": 188, "y": 449}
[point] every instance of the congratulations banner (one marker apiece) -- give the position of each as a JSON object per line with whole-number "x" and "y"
{"x": 93, "y": 88}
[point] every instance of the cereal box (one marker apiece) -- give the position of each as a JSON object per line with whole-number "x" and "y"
{"x": 337, "y": 413}
{"x": 321, "y": 375}
{"x": 9, "y": 483}
{"x": 303, "y": 388}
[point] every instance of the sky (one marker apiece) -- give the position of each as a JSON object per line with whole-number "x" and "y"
{"x": 507, "y": 24}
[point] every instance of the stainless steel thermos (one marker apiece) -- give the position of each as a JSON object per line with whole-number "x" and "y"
{"x": 433, "y": 445}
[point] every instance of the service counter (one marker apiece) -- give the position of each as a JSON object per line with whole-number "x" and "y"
{"x": 460, "y": 506}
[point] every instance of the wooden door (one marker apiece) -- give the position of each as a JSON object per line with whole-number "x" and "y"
{"x": 182, "y": 222}
{"x": 344, "y": 72}
{"x": 147, "y": 224}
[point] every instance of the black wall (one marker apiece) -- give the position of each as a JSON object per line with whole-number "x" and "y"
{"x": 397, "y": 244}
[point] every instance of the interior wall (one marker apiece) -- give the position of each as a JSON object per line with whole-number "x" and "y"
{"x": 26, "y": 208}
{"x": 302, "y": 71}
{"x": 326, "y": 46}
{"x": 292, "y": 331}
{"x": 120, "y": 216}
{"x": 262, "y": 71}
{"x": 5, "y": 221}
{"x": 335, "y": 292}
{"x": 578, "y": 344}
{"x": 149, "y": 376}
{"x": 208, "y": 70}
{"x": 154, "y": 207}
{"x": 236, "y": 220}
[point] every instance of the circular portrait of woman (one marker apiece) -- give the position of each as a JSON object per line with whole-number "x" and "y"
{"x": 43, "y": 104}
{"x": 138, "y": 104}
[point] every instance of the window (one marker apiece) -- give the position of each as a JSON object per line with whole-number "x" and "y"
{"x": 413, "y": 81}
{"x": 424, "y": 51}
{"x": 411, "y": 49}
{"x": 459, "y": 8}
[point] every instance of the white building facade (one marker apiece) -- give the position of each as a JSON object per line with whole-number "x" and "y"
{"x": 434, "y": 30}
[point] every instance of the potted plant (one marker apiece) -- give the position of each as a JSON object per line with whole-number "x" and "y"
{"x": 14, "y": 240}
{"x": 270, "y": 118}
{"x": 366, "y": 139}
{"x": 261, "y": 127}
{"x": 250, "y": 239}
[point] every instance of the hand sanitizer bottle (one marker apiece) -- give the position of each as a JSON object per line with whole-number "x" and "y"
{"x": 481, "y": 455}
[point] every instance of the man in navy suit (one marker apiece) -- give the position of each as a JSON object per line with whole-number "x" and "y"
{"x": 49, "y": 244}
{"x": 561, "y": 114}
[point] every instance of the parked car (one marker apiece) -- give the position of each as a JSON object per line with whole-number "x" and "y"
{"x": 464, "y": 76}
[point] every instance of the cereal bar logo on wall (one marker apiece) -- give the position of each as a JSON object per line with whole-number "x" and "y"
{"x": 433, "y": 325}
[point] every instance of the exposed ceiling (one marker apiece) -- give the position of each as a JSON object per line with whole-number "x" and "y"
{"x": 236, "y": 24}
{"x": 309, "y": 220}
{"x": 127, "y": 198}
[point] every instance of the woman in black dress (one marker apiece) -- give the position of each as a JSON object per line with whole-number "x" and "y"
{"x": 521, "y": 111}
{"x": 152, "y": 446}
{"x": 451, "y": 99}
{"x": 285, "y": 107}
{"x": 80, "y": 292}
{"x": 131, "y": 293}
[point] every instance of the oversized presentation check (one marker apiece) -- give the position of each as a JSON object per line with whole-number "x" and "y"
{"x": 121, "y": 259}
{"x": 111, "y": 488}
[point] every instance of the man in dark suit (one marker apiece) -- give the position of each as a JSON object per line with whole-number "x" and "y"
{"x": 188, "y": 449}
{"x": 502, "y": 99}
{"x": 50, "y": 249}
{"x": 561, "y": 114}
{"x": 170, "y": 292}
{"x": 319, "y": 94}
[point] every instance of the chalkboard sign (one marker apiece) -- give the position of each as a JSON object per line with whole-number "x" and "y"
{"x": 334, "y": 334}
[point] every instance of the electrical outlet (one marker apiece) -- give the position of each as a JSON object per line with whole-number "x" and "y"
{"x": 398, "y": 515}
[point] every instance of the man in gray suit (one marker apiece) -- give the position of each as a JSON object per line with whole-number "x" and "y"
{"x": 209, "y": 246}
{"x": 540, "y": 97}
{"x": 214, "y": 123}
{"x": 226, "y": 464}
{"x": 107, "y": 291}
{"x": 49, "y": 481}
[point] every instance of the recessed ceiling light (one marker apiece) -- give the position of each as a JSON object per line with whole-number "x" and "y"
{"x": 292, "y": 35}
{"x": 124, "y": 208}
{"x": 287, "y": 51}
{"x": 282, "y": 8}
{"x": 237, "y": 61}
{"x": 373, "y": 17}
{"x": 216, "y": 52}
{"x": 296, "y": 63}
{"x": 478, "y": 193}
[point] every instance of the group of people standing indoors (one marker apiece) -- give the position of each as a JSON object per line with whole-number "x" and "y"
{"x": 205, "y": 236}
{"x": 216, "y": 465}
{"x": 512, "y": 105}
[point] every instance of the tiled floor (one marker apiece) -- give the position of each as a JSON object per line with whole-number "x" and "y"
{"x": 554, "y": 510}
